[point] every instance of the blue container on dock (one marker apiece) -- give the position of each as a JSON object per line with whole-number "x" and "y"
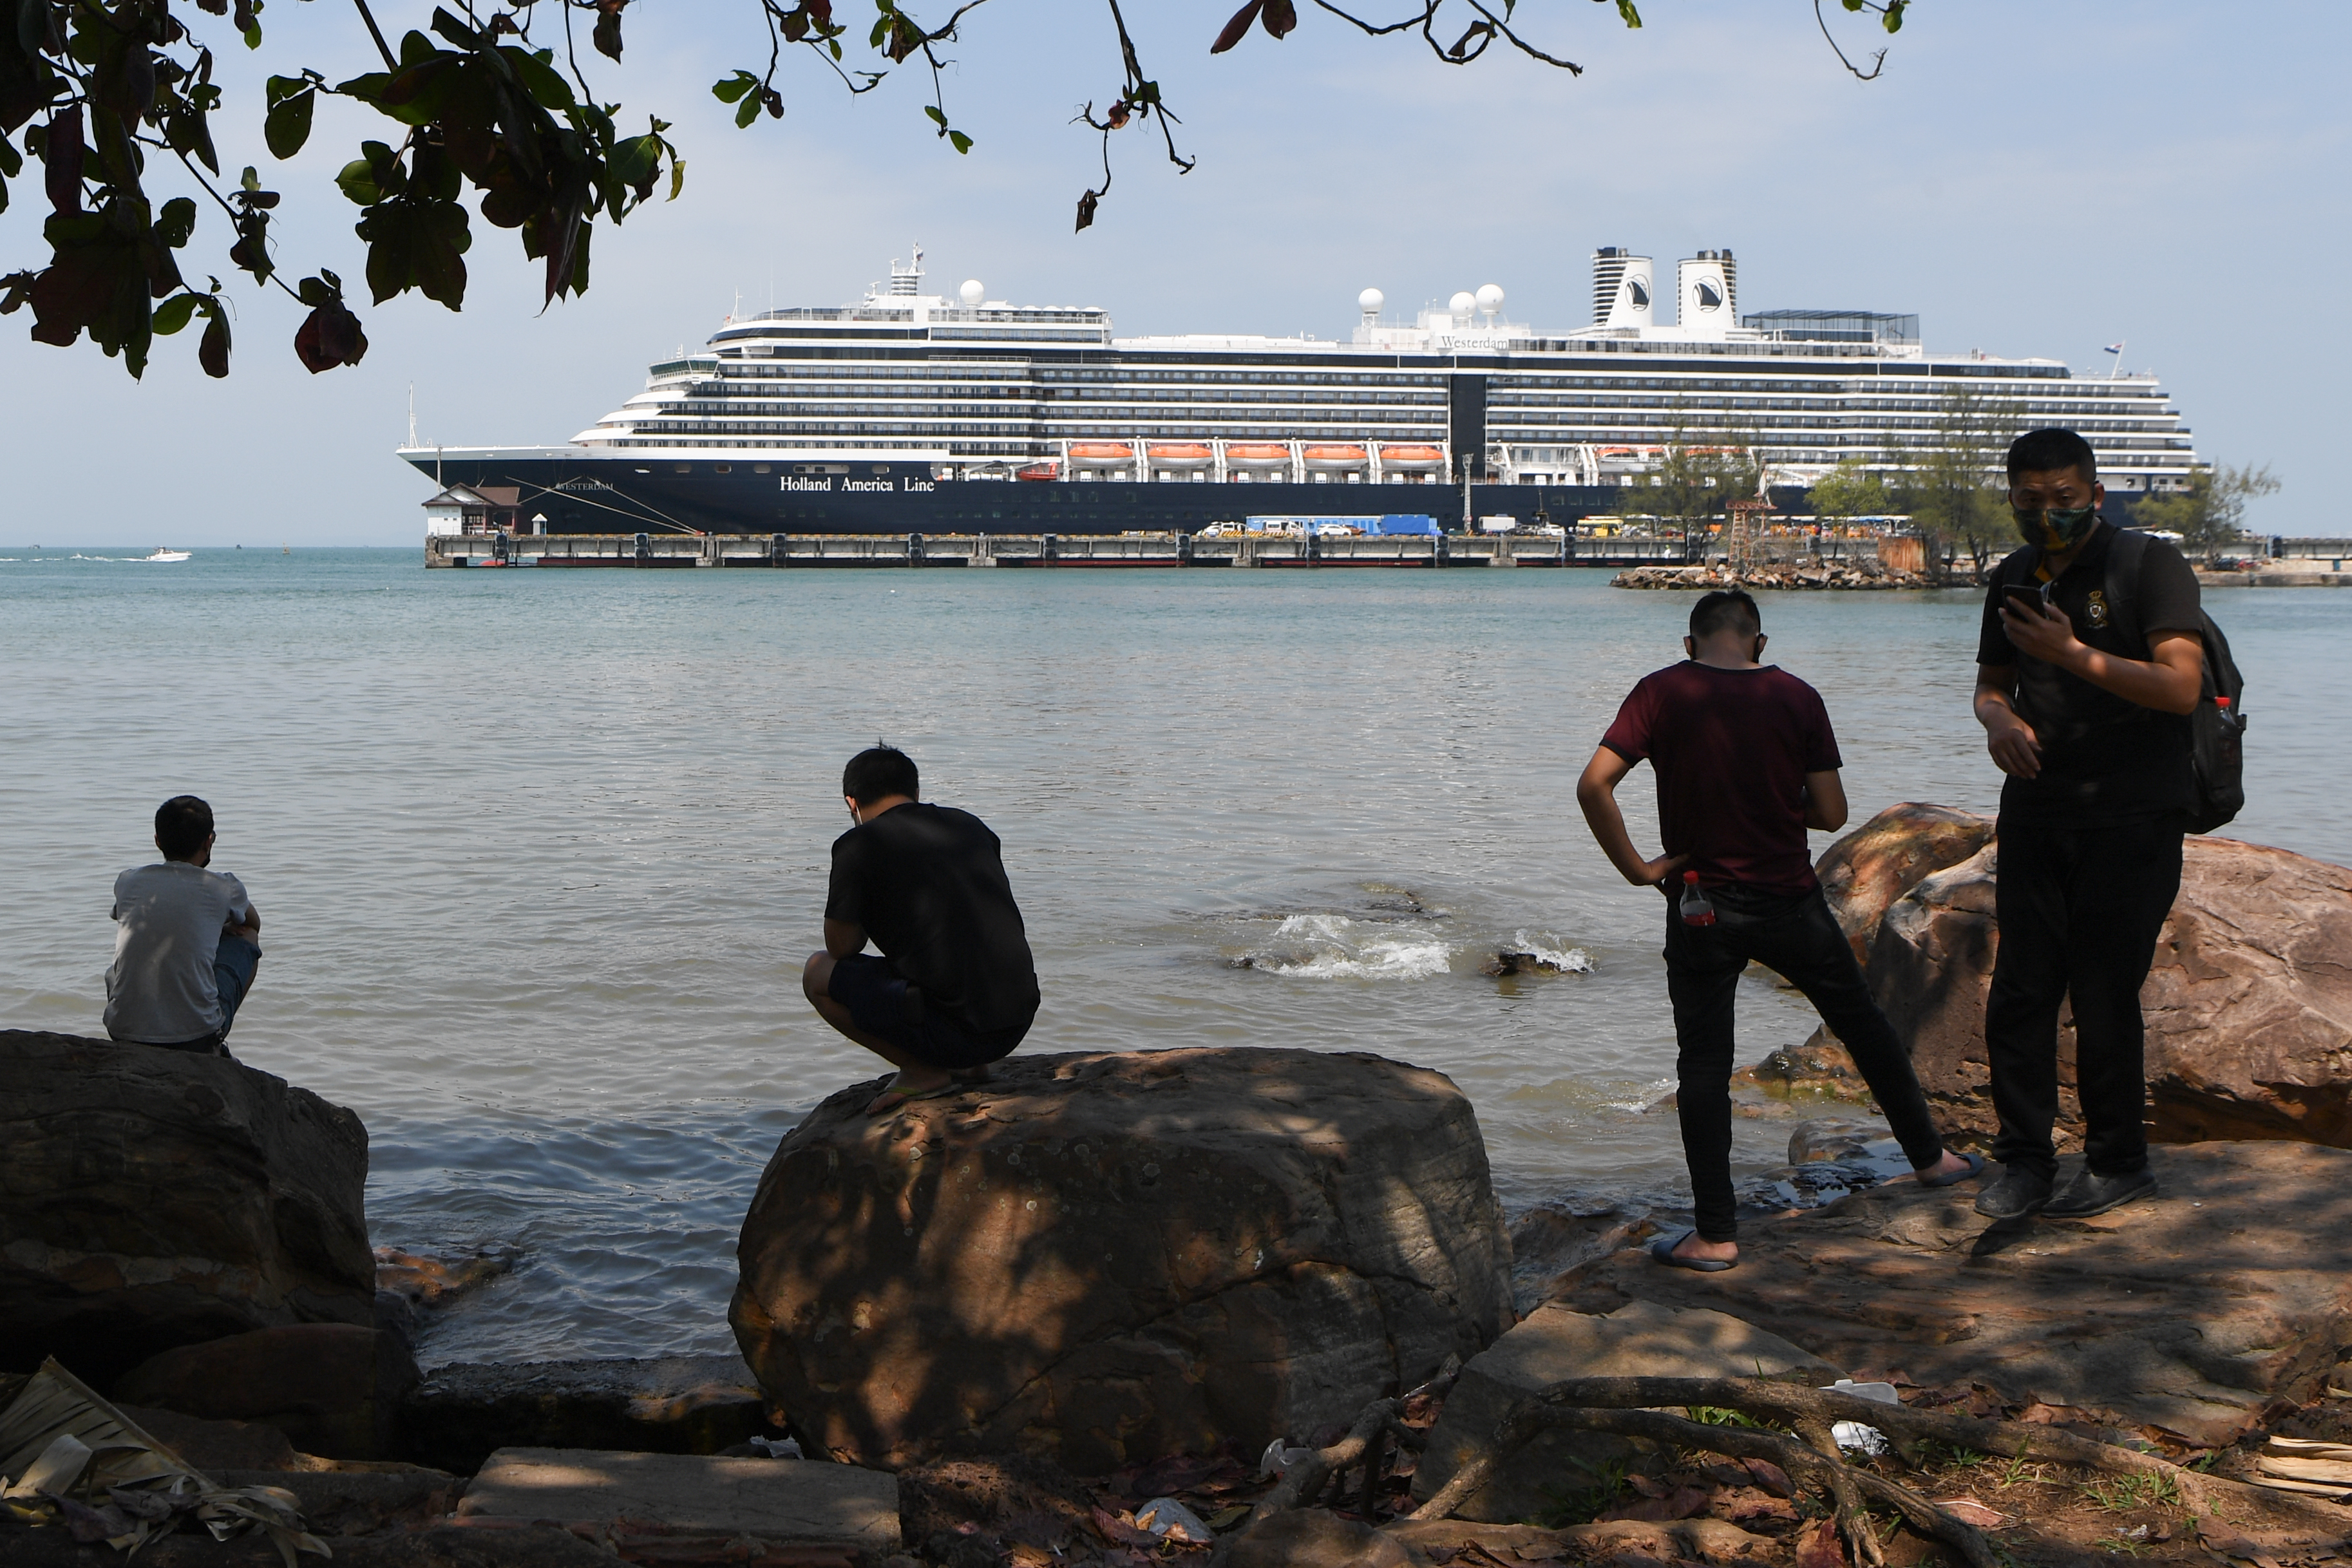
{"x": 1405, "y": 523}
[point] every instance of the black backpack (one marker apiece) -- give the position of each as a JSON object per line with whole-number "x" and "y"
{"x": 2217, "y": 726}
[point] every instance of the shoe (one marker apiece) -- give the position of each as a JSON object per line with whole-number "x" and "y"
{"x": 2091, "y": 1193}
{"x": 1973, "y": 1168}
{"x": 2017, "y": 1193}
{"x": 1663, "y": 1251}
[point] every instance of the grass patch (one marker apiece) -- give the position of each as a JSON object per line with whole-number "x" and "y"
{"x": 2125, "y": 1494}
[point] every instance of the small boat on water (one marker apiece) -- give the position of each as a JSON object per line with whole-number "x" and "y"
{"x": 162, "y": 554}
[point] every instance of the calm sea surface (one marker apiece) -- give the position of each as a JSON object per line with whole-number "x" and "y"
{"x": 539, "y": 852}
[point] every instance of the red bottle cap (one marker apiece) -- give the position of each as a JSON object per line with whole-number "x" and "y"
{"x": 1690, "y": 876}
{"x": 2221, "y": 702}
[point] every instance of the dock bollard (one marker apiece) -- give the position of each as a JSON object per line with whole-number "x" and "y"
{"x": 779, "y": 551}
{"x": 1045, "y": 549}
{"x": 914, "y": 549}
{"x": 645, "y": 548}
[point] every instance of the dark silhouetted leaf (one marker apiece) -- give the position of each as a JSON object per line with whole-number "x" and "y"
{"x": 212, "y": 348}
{"x": 1086, "y": 210}
{"x": 607, "y": 35}
{"x": 62, "y": 158}
{"x": 174, "y": 313}
{"x": 286, "y": 125}
{"x": 1237, "y": 30}
{"x": 176, "y": 222}
{"x": 1278, "y": 17}
{"x": 330, "y": 336}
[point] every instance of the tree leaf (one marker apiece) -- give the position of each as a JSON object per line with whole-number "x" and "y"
{"x": 732, "y": 88}
{"x": 746, "y": 112}
{"x": 1894, "y": 18}
{"x": 287, "y": 126}
{"x": 1633, "y": 18}
{"x": 1086, "y": 209}
{"x": 960, "y": 141}
{"x": 607, "y": 35}
{"x": 1278, "y": 17}
{"x": 1234, "y": 31}
{"x": 62, "y": 158}
{"x": 176, "y": 222}
{"x": 174, "y": 313}
{"x": 329, "y": 336}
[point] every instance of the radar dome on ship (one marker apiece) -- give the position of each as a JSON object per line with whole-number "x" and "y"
{"x": 1490, "y": 297}
{"x": 1370, "y": 300}
{"x": 972, "y": 293}
{"x": 1462, "y": 303}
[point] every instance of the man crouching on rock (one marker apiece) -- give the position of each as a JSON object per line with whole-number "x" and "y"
{"x": 187, "y": 940}
{"x": 1746, "y": 762}
{"x": 955, "y": 988}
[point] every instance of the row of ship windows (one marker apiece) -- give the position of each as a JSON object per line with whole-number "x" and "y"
{"x": 2041, "y": 405}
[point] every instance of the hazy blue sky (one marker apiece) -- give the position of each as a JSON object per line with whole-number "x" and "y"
{"x": 2028, "y": 178}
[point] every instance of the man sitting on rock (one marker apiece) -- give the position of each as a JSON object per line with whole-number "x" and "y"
{"x": 2084, "y": 703}
{"x": 187, "y": 940}
{"x": 955, "y": 988}
{"x": 1746, "y": 762}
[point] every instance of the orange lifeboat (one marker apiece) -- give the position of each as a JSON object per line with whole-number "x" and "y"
{"x": 1256, "y": 454}
{"x": 1334, "y": 456}
{"x": 1411, "y": 458}
{"x": 1040, "y": 473}
{"x": 1094, "y": 453}
{"x": 1180, "y": 454}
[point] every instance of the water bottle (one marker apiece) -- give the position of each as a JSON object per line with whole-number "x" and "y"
{"x": 1697, "y": 910}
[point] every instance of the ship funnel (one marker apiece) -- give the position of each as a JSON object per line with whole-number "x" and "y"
{"x": 1706, "y": 293}
{"x": 1622, "y": 286}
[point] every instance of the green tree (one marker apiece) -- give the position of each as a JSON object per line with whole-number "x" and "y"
{"x": 493, "y": 106}
{"x": 1848, "y": 491}
{"x": 2210, "y": 514}
{"x": 1954, "y": 494}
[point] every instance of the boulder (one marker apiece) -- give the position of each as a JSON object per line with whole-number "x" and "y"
{"x": 334, "y": 1389}
{"x": 666, "y": 1404}
{"x": 1639, "y": 1339}
{"x": 1884, "y": 858}
{"x": 2188, "y": 1315}
{"x": 777, "y": 1501}
{"x": 151, "y": 1199}
{"x": 2248, "y": 1003}
{"x": 1108, "y": 1258}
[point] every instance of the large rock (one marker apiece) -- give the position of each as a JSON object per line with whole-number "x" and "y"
{"x": 663, "y": 1405}
{"x": 151, "y": 1199}
{"x": 334, "y": 1389}
{"x": 2190, "y": 1312}
{"x": 1884, "y": 858}
{"x": 1108, "y": 1258}
{"x": 1641, "y": 1339}
{"x": 2248, "y": 1003}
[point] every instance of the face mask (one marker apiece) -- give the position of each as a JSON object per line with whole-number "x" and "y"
{"x": 2053, "y": 529}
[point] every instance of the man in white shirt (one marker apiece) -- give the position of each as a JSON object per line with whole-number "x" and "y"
{"x": 187, "y": 940}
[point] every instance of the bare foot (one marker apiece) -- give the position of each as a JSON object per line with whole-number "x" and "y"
{"x": 910, "y": 1083}
{"x": 1699, "y": 1248}
{"x": 1944, "y": 1172}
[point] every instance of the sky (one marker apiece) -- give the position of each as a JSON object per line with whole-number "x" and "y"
{"x": 2029, "y": 179}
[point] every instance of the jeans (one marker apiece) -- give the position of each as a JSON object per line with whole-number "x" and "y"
{"x": 1798, "y": 937}
{"x": 233, "y": 970}
{"x": 2080, "y": 909}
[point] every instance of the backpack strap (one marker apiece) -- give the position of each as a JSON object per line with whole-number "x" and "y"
{"x": 2127, "y": 554}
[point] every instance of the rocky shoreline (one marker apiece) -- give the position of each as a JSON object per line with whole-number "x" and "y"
{"x": 1860, "y": 576}
{"x": 1260, "y": 1306}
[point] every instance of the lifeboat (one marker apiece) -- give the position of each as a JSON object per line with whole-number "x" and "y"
{"x": 1256, "y": 454}
{"x": 1334, "y": 457}
{"x": 1099, "y": 453}
{"x": 1180, "y": 454}
{"x": 1040, "y": 473}
{"x": 1404, "y": 458}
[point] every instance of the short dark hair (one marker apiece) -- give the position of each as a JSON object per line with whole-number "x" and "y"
{"x": 880, "y": 771}
{"x": 2046, "y": 451}
{"x": 182, "y": 823}
{"x": 1724, "y": 610}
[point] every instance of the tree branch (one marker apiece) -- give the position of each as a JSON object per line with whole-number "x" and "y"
{"x": 376, "y": 33}
{"x": 1877, "y": 63}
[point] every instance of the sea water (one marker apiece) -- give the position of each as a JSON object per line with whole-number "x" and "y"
{"x": 539, "y": 852}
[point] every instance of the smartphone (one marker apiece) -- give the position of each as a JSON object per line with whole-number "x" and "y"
{"x": 2027, "y": 600}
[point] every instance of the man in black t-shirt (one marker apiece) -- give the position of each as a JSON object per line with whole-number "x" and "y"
{"x": 2085, "y": 683}
{"x": 955, "y": 988}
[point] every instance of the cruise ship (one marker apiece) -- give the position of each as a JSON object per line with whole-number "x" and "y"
{"x": 912, "y": 413}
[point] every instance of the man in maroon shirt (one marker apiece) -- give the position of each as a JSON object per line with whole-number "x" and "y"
{"x": 1746, "y": 762}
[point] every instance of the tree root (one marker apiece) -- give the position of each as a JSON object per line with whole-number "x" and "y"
{"x": 1365, "y": 1446}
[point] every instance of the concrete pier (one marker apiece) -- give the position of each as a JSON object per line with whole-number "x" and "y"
{"x": 1142, "y": 550}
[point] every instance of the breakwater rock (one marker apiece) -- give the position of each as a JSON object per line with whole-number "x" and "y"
{"x": 153, "y": 1198}
{"x": 1889, "y": 855}
{"x": 1106, "y": 1258}
{"x": 2249, "y": 1002}
{"x": 1850, "y": 575}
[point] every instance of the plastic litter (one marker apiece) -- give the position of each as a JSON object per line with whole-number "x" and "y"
{"x": 1278, "y": 1457}
{"x": 1853, "y": 1435}
{"x": 1171, "y": 1521}
{"x": 779, "y": 1447}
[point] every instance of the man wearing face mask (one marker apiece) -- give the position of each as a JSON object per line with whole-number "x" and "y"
{"x": 2085, "y": 684}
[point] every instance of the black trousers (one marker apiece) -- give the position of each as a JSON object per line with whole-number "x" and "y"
{"x": 2080, "y": 909}
{"x": 1798, "y": 937}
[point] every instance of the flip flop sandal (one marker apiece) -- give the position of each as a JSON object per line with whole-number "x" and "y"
{"x": 1663, "y": 1251}
{"x": 1976, "y": 1169}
